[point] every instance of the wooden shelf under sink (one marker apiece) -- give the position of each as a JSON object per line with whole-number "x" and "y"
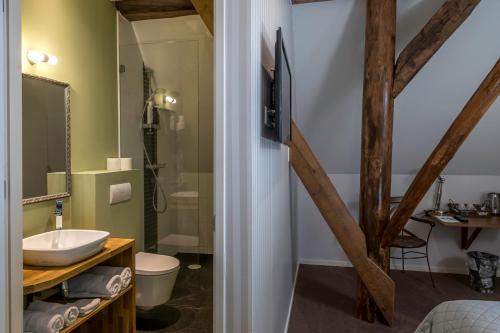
{"x": 115, "y": 315}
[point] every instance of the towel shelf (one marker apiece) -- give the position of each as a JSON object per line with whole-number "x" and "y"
{"x": 115, "y": 315}
{"x": 98, "y": 311}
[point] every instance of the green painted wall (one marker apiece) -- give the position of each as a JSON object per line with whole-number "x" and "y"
{"x": 82, "y": 34}
{"x": 38, "y": 218}
{"x": 91, "y": 208}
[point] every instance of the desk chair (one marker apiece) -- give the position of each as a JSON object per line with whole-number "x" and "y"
{"x": 408, "y": 242}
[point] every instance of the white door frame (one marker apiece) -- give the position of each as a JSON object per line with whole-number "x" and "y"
{"x": 11, "y": 158}
{"x": 219, "y": 313}
{"x": 4, "y": 226}
{"x": 232, "y": 269}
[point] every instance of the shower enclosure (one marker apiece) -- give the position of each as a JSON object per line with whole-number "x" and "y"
{"x": 176, "y": 136}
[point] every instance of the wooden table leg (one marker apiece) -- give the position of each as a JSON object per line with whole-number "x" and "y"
{"x": 466, "y": 240}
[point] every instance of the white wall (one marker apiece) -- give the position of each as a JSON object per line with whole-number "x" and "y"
{"x": 318, "y": 246}
{"x": 252, "y": 174}
{"x": 329, "y": 43}
{"x": 272, "y": 265}
{"x": 329, "y": 49}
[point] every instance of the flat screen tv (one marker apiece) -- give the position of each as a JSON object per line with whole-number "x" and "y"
{"x": 282, "y": 91}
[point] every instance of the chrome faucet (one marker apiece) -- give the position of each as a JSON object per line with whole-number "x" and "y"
{"x": 58, "y": 213}
{"x": 59, "y": 224}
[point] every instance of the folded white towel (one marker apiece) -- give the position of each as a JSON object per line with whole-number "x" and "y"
{"x": 42, "y": 322}
{"x": 69, "y": 312}
{"x": 86, "y": 306}
{"x": 124, "y": 272}
{"x": 87, "y": 285}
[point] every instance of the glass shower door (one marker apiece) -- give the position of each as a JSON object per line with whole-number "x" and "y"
{"x": 174, "y": 65}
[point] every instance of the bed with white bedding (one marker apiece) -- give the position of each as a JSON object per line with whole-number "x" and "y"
{"x": 462, "y": 317}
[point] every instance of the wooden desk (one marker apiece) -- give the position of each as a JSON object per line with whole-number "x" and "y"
{"x": 475, "y": 222}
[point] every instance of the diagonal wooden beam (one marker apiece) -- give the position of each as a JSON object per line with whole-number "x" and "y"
{"x": 342, "y": 224}
{"x": 434, "y": 34}
{"x": 205, "y": 9}
{"x": 463, "y": 125}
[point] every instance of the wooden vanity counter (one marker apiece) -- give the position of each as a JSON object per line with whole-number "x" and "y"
{"x": 116, "y": 315}
{"x": 37, "y": 278}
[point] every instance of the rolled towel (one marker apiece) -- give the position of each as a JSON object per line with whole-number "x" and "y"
{"x": 86, "y": 306}
{"x": 124, "y": 272}
{"x": 42, "y": 322}
{"x": 68, "y": 311}
{"x": 87, "y": 285}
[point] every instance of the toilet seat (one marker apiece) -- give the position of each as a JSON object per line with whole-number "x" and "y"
{"x": 155, "y": 264}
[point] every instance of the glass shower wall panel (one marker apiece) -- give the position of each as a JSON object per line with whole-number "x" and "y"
{"x": 175, "y": 82}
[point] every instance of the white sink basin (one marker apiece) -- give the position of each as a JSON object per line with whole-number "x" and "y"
{"x": 62, "y": 247}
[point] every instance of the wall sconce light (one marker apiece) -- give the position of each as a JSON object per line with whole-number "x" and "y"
{"x": 39, "y": 57}
{"x": 170, "y": 99}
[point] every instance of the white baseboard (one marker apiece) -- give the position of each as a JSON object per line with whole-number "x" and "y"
{"x": 417, "y": 268}
{"x": 325, "y": 262}
{"x": 291, "y": 298}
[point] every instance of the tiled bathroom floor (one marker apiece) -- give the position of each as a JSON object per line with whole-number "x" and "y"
{"x": 190, "y": 308}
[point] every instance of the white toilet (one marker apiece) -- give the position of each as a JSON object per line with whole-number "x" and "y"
{"x": 155, "y": 278}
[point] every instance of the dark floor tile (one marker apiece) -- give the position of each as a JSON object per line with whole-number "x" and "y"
{"x": 190, "y": 309}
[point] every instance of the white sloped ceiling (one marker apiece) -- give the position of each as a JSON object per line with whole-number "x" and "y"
{"x": 329, "y": 45}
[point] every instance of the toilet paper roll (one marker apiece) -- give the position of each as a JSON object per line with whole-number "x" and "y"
{"x": 120, "y": 193}
{"x": 126, "y": 163}
{"x": 181, "y": 124}
{"x": 113, "y": 164}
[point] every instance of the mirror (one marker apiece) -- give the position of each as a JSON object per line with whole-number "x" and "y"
{"x": 46, "y": 139}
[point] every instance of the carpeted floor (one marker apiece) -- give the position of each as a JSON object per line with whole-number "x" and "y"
{"x": 324, "y": 299}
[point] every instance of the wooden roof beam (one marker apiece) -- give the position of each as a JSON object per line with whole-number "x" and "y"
{"x": 463, "y": 125}
{"x": 432, "y": 36}
{"x": 140, "y": 16}
{"x": 137, "y": 10}
{"x": 205, "y": 9}
{"x": 376, "y": 141}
